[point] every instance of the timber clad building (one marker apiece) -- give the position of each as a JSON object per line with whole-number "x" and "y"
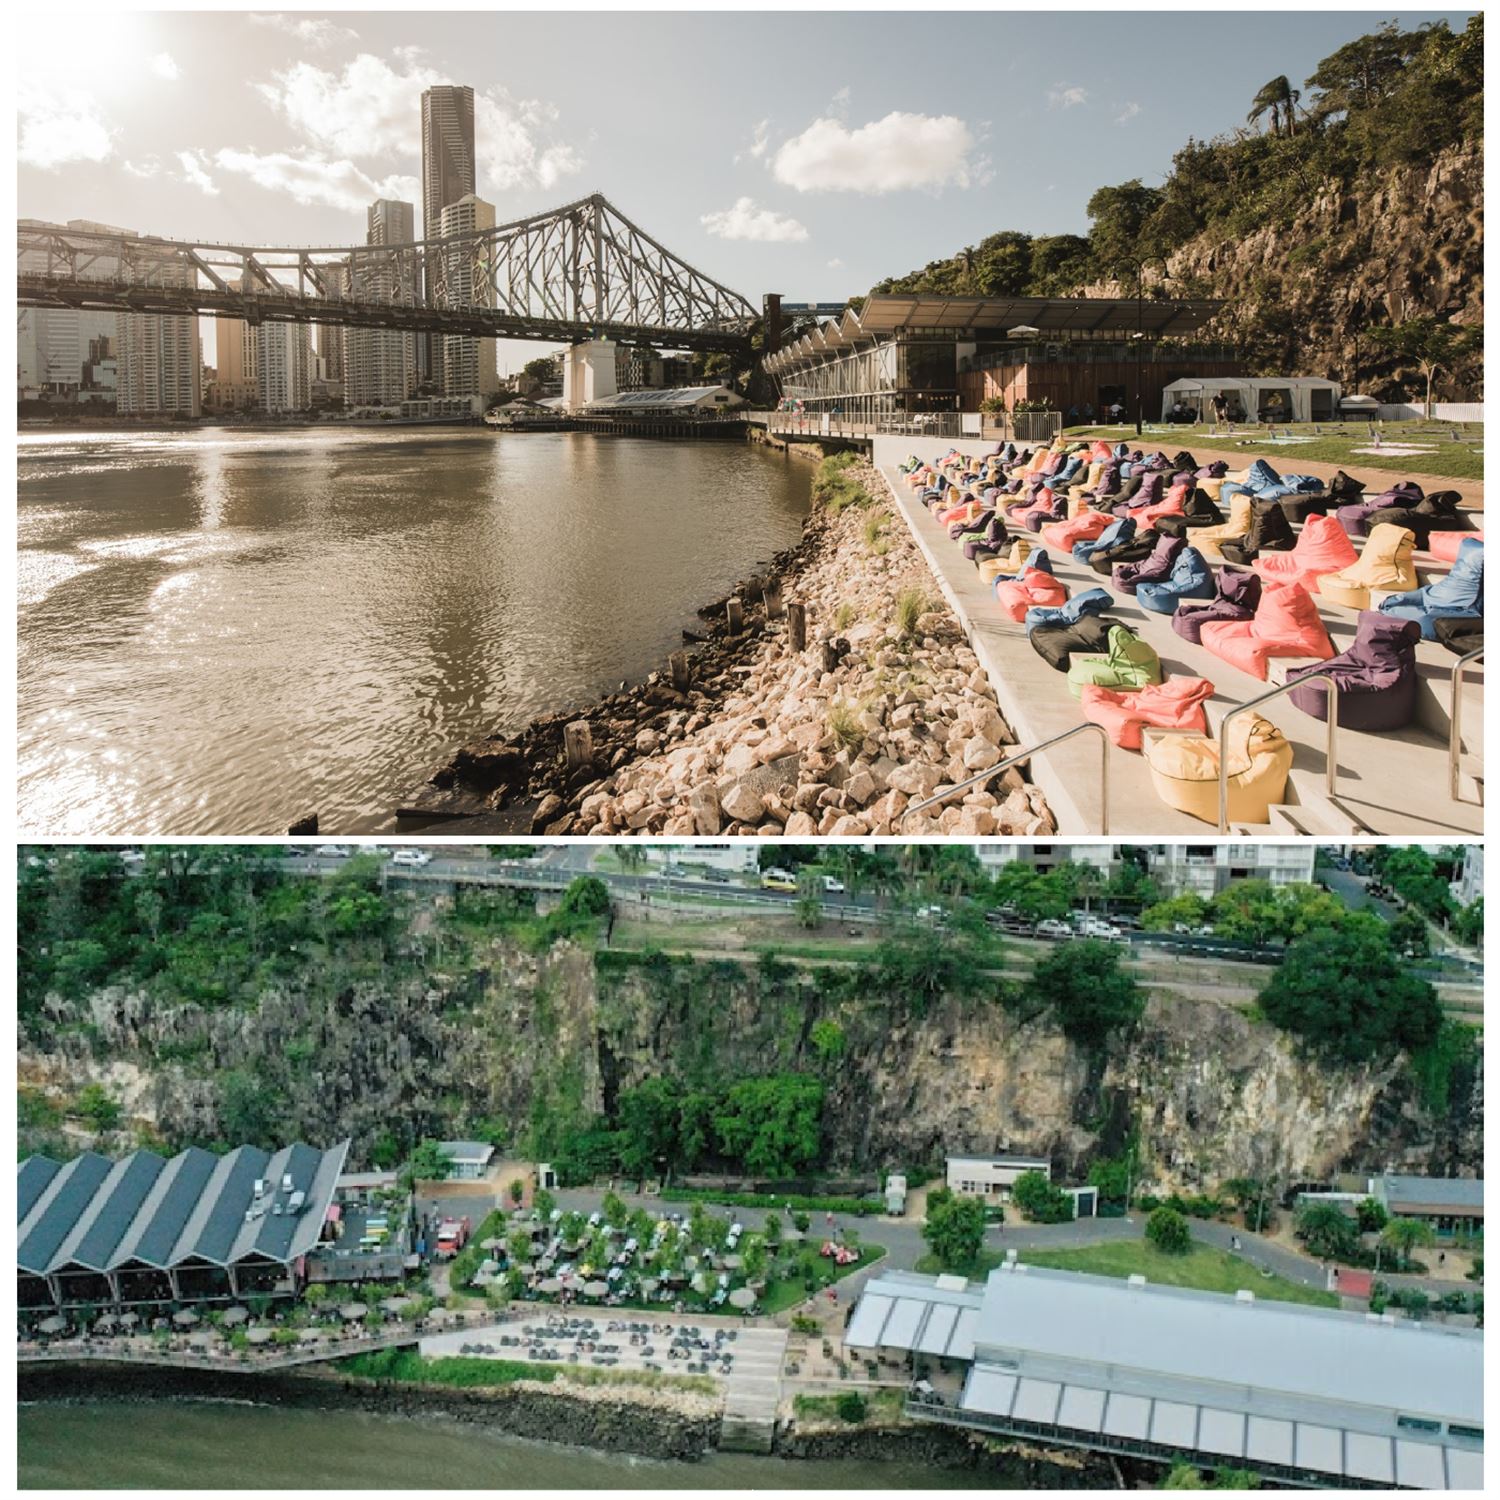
{"x": 145, "y": 1229}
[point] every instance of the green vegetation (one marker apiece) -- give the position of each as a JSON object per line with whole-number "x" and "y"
{"x": 880, "y": 1405}
{"x": 1184, "y": 1476}
{"x": 1201, "y": 1267}
{"x": 834, "y": 489}
{"x": 954, "y": 1228}
{"x": 469, "y": 1373}
{"x": 1040, "y": 1199}
{"x": 911, "y": 604}
{"x": 1167, "y": 1231}
{"x": 800, "y": 1203}
{"x": 1088, "y": 992}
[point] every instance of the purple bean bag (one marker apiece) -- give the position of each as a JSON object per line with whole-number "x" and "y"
{"x": 1376, "y": 676}
{"x": 1238, "y": 598}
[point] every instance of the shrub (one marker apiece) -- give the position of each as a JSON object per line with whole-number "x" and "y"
{"x": 1042, "y": 1202}
{"x": 844, "y": 616}
{"x": 1168, "y": 1231}
{"x": 844, "y": 725}
{"x": 852, "y": 1407}
{"x": 911, "y": 604}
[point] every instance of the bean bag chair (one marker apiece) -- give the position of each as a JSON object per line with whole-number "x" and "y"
{"x": 986, "y": 542}
{"x": 1216, "y": 470}
{"x": 1190, "y": 578}
{"x": 1355, "y": 518}
{"x": 1446, "y": 545}
{"x": 1048, "y": 509}
{"x": 1285, "y": 624}
{"x": 1197, "y": 511}
{"x": 1237, "y": 599}
{"x": 1065, "y": 535}
{"x": 1437, "y": 512}
{"x": 1384, "y": 564}
{"x": 1176, "y": 703}
{"x": 1090, "y": 602}
{"x": 1141, "y": 492}
{"x": 1376, "y": 676}
{"x": 1056, "y": 640}
{"x": 1342, "y": 491}
{"x": 1323, "y": 547}
{"x": 1035, "y": 588}
{"x": 1156, "y": 567}
{"x": 1184, "y": 462}
{"x": 1171, "y": 504}
{"x": 1185, "y": 770}
{"x": 1459, "y": 634}
{"x": 1119, "y": 531}
{"x": 960, "y": 512}
{"x": 1458, "y": 595}
{"x": 1137, "y": 549}
{"x": 1036, "y": 562}
{"x": 1008, "y": 564}
{"x": 1126, "y": 663}
{"x": 1270, "y": 531}
{"x": 1207, "y": 539}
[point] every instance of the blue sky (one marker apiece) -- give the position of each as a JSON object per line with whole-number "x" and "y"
{"x": 754, "y": 145}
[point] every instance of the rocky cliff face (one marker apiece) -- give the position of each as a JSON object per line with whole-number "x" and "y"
{"x": 1213, "y": 1094}
{"x": 1406, "y": 244}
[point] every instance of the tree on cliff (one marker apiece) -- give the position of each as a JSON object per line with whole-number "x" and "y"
{"x": 1278, "y": 99}
{"x": 954, "y": 1228}
{"x": 648, "y": 1116}
{"x": 1344, "y": 991}
{"x": 772, "y": 1126}
{"x": 1433, "y": 346}
{"x": 1088, "y": 992}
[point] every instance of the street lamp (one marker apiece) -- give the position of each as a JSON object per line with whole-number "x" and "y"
{"x": 1140, "y": 332}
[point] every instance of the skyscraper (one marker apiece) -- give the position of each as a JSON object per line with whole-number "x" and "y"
{"x": 235, "y": 378}
{"x": 160, "y": 359}
{"x": 447, "y": 176}
{"x": 468, "y": 364}
{"x": 283, "y": 366}
{"x": 380, "y": 363}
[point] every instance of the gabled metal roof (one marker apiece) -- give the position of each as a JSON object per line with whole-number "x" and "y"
{"x": 161, "y": 1217}
{"x": 32, "y": 1177}
{"x": 55, "y": 1212}
{"x": 210, "y": 1233}
{"x": 101, "y": 1227}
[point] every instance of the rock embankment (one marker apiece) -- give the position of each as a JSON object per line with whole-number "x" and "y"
{"x": 886, "y": 704}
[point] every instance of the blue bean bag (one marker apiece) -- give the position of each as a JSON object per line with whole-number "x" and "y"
{"x": 1458, "y": 596}
{"x": 1118, "y": 532}
{"x": 1190, "y": 578}
{"x": 1091, "y": 602}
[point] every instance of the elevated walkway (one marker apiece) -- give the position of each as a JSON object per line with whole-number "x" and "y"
{"x": 1389, "y": 784}
{"x": 752, "y": 1391}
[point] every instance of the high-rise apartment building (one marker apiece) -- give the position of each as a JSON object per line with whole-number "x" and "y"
{"x": 53, "y": 343}
{"x": 379, "y": 364}
{"x": 447, "y": 176}
{"x": 236, "y": 382}
{"x": 284, "y": 364}
{"x": 468, "y": 364}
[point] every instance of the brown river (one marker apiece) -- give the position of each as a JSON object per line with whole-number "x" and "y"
{"x": 221, "y": 630}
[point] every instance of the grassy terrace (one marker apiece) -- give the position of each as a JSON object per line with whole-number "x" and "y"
{"x": 1461, "y": 460}
{"x": 882, "y": 1405}
{"x": 464, "y": 1372}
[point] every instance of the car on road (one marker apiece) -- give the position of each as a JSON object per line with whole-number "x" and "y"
{"x": 777, "y": 880}
{"x": 1053, "y": 927}
{"x": 716, "y": 877}
{"x": 333, "y": 851}
{"x": 415, "y": 858}
{"x": 133, "y": 858}
{"x": 833, "y": 885}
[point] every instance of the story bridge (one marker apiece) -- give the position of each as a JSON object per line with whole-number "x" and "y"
{"x": 572, "y": 274}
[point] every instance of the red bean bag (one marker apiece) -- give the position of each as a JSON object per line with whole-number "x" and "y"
{"x": 1085, "y": 527}
{"x": 1445, "y": 544}
{"x": 1286, "y": 623}
{"x": 1031, "y": 589}
{"x": 1323, "y": 547}
{"x": 1176, "y": 703}
{"x": 1170, "y": 504}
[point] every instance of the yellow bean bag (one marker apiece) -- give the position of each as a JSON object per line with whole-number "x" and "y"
{"x": 1185, "y": 770}
{"x": 1207, "y": 538}
{"x": 1384, "y": 564}
{"x": 1010, "y": 564}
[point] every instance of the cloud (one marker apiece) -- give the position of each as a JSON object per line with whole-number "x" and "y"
{"x": 315, "y": 32}
{"x": 1066, "y": 96}
{"x": 316, "y": 179}
{"x": 164, "y": 65}
{"x": 901, "y": 151}
{"x": 371, "y": 109}
{"x": 1131, "y": 110}
{"x": 194, "y": 166}
{"x": 761, "y": 141}
{"x": 59, "y": 125}
{"x": 149, "y": 166}
{"x": 835, "y": 264}
{"x": 748, "y": 221}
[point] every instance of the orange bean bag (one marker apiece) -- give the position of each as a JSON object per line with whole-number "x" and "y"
{"x": 1445, "y": 544}
{"x": 1031, "y": 589}
{"x": 1323, "y": 547}
{"x": 1286, "y": 623}
{"x": 1084, "y": 527}
{"x": 1176, "y": 703}
{"x": 1170, "y": 505}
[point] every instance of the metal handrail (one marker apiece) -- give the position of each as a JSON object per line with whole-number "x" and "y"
{"x": 1455, "y": 716}
{"x": 1276, "y": 692}
{"x": 1020, "y": 755}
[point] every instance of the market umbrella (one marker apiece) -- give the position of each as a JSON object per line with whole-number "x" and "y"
{"x": 594, "y": 1289}
{"x": 184, "y": 1317}
{"x": 742, "y": 1297}
{"x": 202, "y": 1339}
{"x": 733, "y": 1262}
{"x": 235, "y": 1316}
{"x": 352, "y": 1312}
{"x": 493, "y": 1243}
{"x": 649, "y": 1285}
{"x": 258, "y": 1335}
{"x": 488, "y": 1267}
{"x": 129, "y": 1320}
{"x": 395, "y": 1304}
{"x": 699, "y": 1282}
{"x": 55, "y": 1324}
{"x": 550, "y": 1287}
{"x": 313, "y": 1335}
{"x": 107, "y": 1323}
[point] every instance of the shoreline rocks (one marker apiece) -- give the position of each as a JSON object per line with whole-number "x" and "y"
{"x": 887, "y": 704}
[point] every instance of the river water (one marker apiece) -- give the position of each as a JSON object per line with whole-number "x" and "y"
{"x": 221, "y": 630}
{"x": 211, "y": 1445}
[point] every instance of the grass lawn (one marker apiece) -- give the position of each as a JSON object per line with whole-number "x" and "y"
{"x": 467, "y": 1372}
{"x": 781, "y": 1295}
{"x": 1329, "y": 446}
{"x": 975, "y": 1270}
{"x": 1203, "y": 1268}
{"x": 884, "y": 1404}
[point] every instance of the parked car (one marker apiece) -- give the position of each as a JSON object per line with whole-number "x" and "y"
{"x": 413, "y": 857}
{"x": 1052, "y": 927}
{"x": 833, "y": 885}
{"x": 333, "y": 851}
{"x": 777, "y": 880}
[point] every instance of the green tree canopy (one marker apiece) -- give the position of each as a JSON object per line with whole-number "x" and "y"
{"x": 1088, "y": 992}
{"x": 1168, "y": 1231}
{"x": 954, "y": 1228}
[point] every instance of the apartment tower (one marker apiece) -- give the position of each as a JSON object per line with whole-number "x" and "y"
{"x": 447, "y": 176}
{"x": 468, "y": 364}
{"x": 379, "y": 366}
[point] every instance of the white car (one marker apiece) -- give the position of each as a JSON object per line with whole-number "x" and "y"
{"x": 1051, "y": 927}
{"x": 414, "y": 857}
{"x": 333, "y": 851}
{"x": 833, "y": 885}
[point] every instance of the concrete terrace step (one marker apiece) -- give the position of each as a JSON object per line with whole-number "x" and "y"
{"x": 752, "y": 1392}
{"x": 1395, "y": 783}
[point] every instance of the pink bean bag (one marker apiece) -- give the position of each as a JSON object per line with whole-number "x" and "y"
{"x": 1084, "y": 527}
{"x": 1285, "y": 624}
{"x": 1445, "y": 544}
{"x": 1031, "y": 589}
{"x": 1176, "y": 703}
{"x": 1323, "y": 547}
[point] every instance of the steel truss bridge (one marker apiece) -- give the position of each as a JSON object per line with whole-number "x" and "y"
{"x": 579, "y": 272}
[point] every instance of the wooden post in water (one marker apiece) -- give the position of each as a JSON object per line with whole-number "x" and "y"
{"x": 734, "y": 610}
{"x": 578, "y": 744}
{"x": 682, "y": 670}
{"x": 770, "y": 591}
{"x": 796, "y": 625}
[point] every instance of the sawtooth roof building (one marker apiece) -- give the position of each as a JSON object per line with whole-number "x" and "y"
{"x": 1301, "y": 1395}
{"x": 148, "y": 1229}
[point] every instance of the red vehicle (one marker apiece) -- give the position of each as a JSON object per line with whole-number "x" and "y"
{"x": 841, "y": 1255}
{"x": 452, "y": 1236}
